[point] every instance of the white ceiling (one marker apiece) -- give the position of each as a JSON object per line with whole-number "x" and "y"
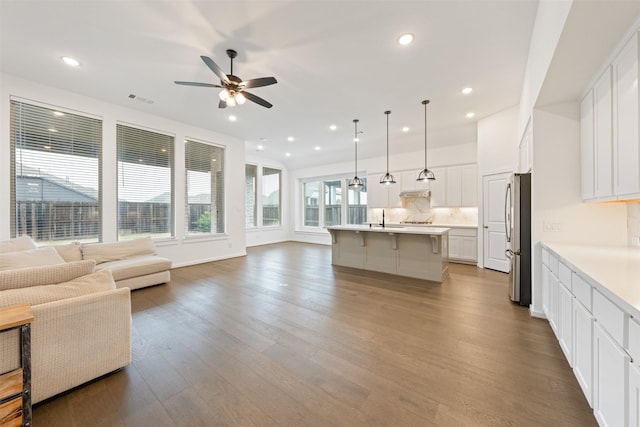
{"x": 334, "y": 61}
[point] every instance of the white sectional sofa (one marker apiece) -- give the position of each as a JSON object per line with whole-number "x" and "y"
{"x": 134, "y": 264}
{"x": 81, "y": 328}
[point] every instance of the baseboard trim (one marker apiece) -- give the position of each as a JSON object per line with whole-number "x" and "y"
{"x": 202, "y": 261}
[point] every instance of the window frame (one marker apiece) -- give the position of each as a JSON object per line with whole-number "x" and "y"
{"x": 262, "y": 175}
{"x": 257, "y": 201}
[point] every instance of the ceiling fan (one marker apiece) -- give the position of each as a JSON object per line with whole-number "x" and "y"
{"x": 233, "y": 87}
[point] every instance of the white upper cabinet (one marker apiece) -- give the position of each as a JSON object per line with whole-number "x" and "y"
{"x": 439, "y": 188}
{"x": 409, "y": 182}
{"x": 455, "y": 186}
{"x": 603, "y": 114}
{"x": 587, "y": 147}
{"x": 383, "y": 196}
{"x": 625, "y": 142}
{"x": 609, "y": 126}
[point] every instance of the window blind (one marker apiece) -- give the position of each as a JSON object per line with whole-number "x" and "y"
{"x": 271, "y": 213}
{"x": 251, "y": 195}
{"x": 56, "y": 171}
{"x": 145, "y": 183}
{"x": 204, "y": 164}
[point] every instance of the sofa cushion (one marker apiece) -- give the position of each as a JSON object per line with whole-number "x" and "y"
{"x": 45, "y": 275}
{"x": 69, "y": 252}
{"x": 136, "y": 266}
{"x": 104, "y": 252}
{"x": 30, "y": 258}
{"x": 22, "y": 243}
{"x": 88, "y": 284}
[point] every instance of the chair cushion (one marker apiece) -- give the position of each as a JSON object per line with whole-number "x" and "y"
{"x": 45, "y": 275}
{"x": 104, "y": 252}
{"x": 22, "y": 243}
{"x": 88, "y": 284}
{"x": 33, "y": 257}
{"x": 136, "y": 266}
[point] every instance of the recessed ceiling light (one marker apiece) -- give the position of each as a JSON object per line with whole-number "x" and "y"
{"x": 405, "y": 39}
{"x": 290, "y": 139}
{"x": 58, "y": 113}
{"x": 405, "y": 129}
{"x": 287, "y": 154}
{"x": 232, "y": 118}
{"x": 470, "y": 115}
{"x": 317, "y": 148}
{"x": 467, "y": 90}
{"x": 260, "y": 147}
{"x": 72, "y": 62}
{"x": 333, "y": 127}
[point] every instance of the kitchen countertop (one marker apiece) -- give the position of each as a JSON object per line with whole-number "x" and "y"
{"x": 442, "y": 225}
{"x": 615, "y": 268}
{"x": 400, "y": 229}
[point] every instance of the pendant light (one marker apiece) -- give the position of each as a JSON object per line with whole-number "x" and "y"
{"x": 426, "y": 175}
{"x": 387, "y": 178}
{"x": 356, "y": 183}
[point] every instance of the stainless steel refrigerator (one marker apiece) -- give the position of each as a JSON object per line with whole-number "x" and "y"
{"x": 518, "y": 231}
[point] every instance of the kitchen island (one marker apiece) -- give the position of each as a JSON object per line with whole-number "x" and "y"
{"x": 420, "y": 252}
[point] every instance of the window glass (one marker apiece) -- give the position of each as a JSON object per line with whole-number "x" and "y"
{"x": 271, "y": 201}
{"x": 145, "y": 183}
{"x": 311, "y": 204}
{"x": 357, "y": 204}
{"x": 55, "y": 174}
{"x": 251, "y": 195}
{"x": 204, "y": 164}
{"x": 333, "y": 202}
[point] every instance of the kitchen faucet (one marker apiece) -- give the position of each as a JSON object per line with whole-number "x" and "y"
{"x": 382, "y": 223}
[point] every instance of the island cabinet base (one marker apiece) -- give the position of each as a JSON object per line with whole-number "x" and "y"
{"x": 422, "y": 256}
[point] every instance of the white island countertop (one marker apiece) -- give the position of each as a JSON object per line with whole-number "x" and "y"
{"x": 430, "y": 231}
{"x": 615, "y": 268}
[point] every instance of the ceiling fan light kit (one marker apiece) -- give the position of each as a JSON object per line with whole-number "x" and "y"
{"x": 356, "y": 183}
{"x": 387, "y": 178}
{"x": 233, "y": 87}
{"x": 425, "y": 175}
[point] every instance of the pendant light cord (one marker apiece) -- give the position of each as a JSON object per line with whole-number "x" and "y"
{"x": 387, "y": 113}
{"x": 355, "y": 143}
{"x": 425, "y": 102}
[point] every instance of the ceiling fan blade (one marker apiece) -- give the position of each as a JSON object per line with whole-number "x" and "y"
{"x": 222, "y": 104}
{"x": 214, "y": 67}
{"x": 263, "y": 81}
{"x": 197, "y": 84}
{"x": 256, "y": 99}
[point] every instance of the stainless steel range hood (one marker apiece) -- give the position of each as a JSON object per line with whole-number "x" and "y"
{"x": 416, "y": 194}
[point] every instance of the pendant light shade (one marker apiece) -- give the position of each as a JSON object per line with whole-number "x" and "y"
{"x": 425, "y": 175}
{"x": 387, "y": 178}
{"x": 356, "y": 183}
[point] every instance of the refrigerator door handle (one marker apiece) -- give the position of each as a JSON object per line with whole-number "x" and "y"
{"x": 507, "y": 212}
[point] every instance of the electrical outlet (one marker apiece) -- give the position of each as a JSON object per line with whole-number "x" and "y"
{"x": 551, "y": 226}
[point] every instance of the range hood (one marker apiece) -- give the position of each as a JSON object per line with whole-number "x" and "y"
{"x": 416, "y": 194}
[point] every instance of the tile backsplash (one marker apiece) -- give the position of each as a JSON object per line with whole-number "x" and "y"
{"x": 419, "y": 210}
{"x": 633, "y": 223}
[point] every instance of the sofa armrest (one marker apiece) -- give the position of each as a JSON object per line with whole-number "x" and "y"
{"x": 76, "y": 340}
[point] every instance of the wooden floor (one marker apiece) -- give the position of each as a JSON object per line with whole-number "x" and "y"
{"x": 282, "y": 338}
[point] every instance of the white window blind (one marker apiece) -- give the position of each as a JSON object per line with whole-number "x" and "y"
{"x": 55, "y": 174}
{"x": 251, "y": 195}
{"x": 271, "y": 214}
{"x": 204, "y": 164}
{"x": 357, "y": 204}
{"x": 145, "y": 183}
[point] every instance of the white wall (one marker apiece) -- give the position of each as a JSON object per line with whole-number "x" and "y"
{"x": 547, "y": 29}
{"x": 181, "y": 250}
{"x": 266, "y": 235}
{"x": 440, "y": 156}
{"x": 556, "y": 191}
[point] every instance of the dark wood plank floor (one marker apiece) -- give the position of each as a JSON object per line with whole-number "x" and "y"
{"x": 282, "y": 338}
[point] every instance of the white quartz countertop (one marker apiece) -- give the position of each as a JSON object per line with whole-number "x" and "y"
{"x": 441, "y": 225}
{"x": 399, "y": 229}
{"x": 615, "y": 268}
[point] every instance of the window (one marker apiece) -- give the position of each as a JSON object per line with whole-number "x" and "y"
{"x": 324, "y": 205}
{"x": 204, "y": 164}
{"x": 55, "y": 174}
{"x": 311, "y": 204}
{"x": 145, "y": 183}
{"x": 333, "y": 202}
{"x": 357, "y": 204}
{"x": 251, "y": 195}
{"x": 271, "y": 201}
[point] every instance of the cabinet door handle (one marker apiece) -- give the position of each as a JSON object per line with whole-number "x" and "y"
{"x": 486, "y": 226}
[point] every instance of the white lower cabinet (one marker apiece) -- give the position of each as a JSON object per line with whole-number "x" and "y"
{"x": 610, "y": 380}
{"x": 463, "y": 245}
{"x": 582, "y": 322}
{"x": 553, "y": 302}
{"x": 565, "y": 321}
{"x": 546, "y": 291}
{"x": 634, "y": 396}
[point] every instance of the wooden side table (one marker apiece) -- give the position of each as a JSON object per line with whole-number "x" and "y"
{"x": 15, "y": 385}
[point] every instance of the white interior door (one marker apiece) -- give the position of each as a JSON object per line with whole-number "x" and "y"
{"x": 495, "y": 239}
